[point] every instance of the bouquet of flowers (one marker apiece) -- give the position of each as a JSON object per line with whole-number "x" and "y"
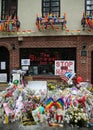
{"x": 76, "y": 116}
{"x": 51, "y": 85}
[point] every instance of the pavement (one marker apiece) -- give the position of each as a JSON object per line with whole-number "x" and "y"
{"x": 18, "y": 126}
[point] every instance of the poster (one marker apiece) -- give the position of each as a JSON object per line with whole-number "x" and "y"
{"x": 16, "y": 77}
{"x": 25, "y": 67}
{"x": 40, "y": 88}
{"x": 3, "y": 65}
{"x": 3, "y": 77}
{"x": 62, "y": 66}
{"x": 25, "y": 61}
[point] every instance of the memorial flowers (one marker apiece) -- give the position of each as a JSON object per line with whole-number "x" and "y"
{"x": 76, "y": 116}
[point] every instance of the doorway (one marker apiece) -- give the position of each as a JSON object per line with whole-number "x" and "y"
{"x": 4, "y": 64}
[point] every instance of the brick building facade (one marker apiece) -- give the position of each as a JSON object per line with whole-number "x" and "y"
{"x": 72, "y": 43}
{"x": 83, "y": 63}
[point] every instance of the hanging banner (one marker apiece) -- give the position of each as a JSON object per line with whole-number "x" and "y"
{"x": 62, "y": 66}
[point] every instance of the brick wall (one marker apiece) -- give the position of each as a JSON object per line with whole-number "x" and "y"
{"x": 83, "y": 63}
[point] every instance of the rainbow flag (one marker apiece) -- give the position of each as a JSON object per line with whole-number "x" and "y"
{"x": 49, "y": 103}
{"x": 60, "y": 103}
{"x": 69, "y": 101}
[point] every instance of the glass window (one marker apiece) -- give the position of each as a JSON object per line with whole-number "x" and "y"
{"x": 42, "y": 60}
{"x": 52, "y": 6}
{"x": 89, "y": 6}
{"x": 9, "y": 8}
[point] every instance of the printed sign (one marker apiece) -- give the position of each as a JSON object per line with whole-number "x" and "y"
{"x": 3, "y": 77}
{"x": 25, "y": 61}
{"x": 62, "y": 66}
{"x": 3, "y": 65}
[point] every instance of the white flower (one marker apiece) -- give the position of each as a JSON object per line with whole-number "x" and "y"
{"x": 84, "y": 115}
{"x": 75, "y": 121}
{"x": 75, "y": 114}
{"x": 79, "y": 117}
{"x": 79, "y": 114}
{"x": 85, "y": 119}
{"x": 70, "y": 117}
{"x": 81, "y": 109}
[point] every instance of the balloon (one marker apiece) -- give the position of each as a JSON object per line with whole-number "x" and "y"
{"x": 16, "y": 82}
{"x": 41, "y": 109}
{"x": 79, "y": 79}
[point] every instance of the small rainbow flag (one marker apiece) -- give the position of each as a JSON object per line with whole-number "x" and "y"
{"x": 49, "y": 103}
{"x": 60, "y": 103}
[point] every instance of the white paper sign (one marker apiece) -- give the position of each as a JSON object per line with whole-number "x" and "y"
{"x": 40, "y": 88}
{"x": 25, "y": 67}
{"x": 25, "y": 61}
{"x": 3, "y": 77}
{"x": 62, "y": 66}
{"x": 37, "y": 85}
{"x": 16, "y": 77}
{"x": 3, "y": 65}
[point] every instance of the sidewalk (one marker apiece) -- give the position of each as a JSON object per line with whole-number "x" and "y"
{"x": 17, "y": 126}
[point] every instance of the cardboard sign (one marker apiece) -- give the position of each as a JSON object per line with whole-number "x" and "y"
{"x": 62, "y": 66}
{"x": 40, "y": 88}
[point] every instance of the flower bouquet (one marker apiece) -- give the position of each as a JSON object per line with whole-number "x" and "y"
{"x": 27, "y": 118}
{"x": 51, "y": 85}
{"x": 76, "y": 116}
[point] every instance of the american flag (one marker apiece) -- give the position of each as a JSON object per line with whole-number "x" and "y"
{"x": 67, "y": 76}
{"x": 64, "y": 77}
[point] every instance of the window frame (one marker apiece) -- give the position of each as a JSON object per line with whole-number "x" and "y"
{"x": 5, "y": 12}
{"x": 50, "y": 7}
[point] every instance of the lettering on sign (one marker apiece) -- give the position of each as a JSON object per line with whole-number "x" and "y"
{"x": 63, "y": 67}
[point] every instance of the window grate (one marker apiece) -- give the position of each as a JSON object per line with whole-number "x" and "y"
{"x": 9, "y": 8}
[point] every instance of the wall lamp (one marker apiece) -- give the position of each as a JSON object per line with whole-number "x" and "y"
{"x": 83, "y": 51}
{"x": 20, "y": 40}
{"x": 84, "y": 45}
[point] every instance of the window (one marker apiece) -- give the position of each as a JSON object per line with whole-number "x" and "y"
{"x": 89, "y": 6}
{"x": 52, "y": 6}
{"x": 42, "y": 60}
{"x": 9, "y": 8}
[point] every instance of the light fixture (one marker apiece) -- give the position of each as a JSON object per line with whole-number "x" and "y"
{"x": 20, "y": 40}
{"x": 84, "y": 45}
{"x": 83, "y": 51}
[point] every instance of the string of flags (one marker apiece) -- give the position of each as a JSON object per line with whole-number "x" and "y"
{"x": 48, "y": 23}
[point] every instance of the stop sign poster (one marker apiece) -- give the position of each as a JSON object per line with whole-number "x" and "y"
{"x": 62, "y": 66}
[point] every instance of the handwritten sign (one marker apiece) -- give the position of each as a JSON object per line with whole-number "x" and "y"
{"x": 62, "y": 66}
